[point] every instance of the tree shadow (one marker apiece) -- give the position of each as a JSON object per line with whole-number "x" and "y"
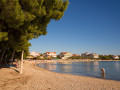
{"x": 15, "y": 70}
{"x": 4, "y": 66}
{"x": 13, "y": 66}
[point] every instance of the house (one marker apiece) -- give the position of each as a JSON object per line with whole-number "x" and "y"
{"x": 93, "y": 55}
{"x": 89, "y": 55}
{"x": 52, "y": 54}
{"x": 34, "y": 54}
{"x": 85, "y": 54}
{"x": 65, "y": 55}
{"x": 75, "y": 55}
{"x": 116, "y": 57}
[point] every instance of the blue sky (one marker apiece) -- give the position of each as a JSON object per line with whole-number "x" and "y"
{"x": 87, "y": 26}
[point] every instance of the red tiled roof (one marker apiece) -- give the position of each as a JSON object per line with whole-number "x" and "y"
{"x": 64, "y": 52}
{"x": 51, "y": 52}
{"x": 75, "y": 55}
{"x": 54, "y": 52}
{"x": 47, "y": 52}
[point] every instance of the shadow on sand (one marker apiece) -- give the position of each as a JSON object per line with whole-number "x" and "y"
{"x": 13, "y": 66}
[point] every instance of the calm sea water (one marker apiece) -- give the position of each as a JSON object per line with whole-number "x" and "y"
{"x": 92, "y": 68}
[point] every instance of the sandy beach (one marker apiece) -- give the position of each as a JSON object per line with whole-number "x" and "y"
{"x": 35, "y": 78}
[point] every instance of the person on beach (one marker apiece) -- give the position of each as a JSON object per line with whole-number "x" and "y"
{"x": 10, "y": 65}
{"x": 35, "y": 62}
{"x": 102, "y": 72}
{"x": 18, "y": 64}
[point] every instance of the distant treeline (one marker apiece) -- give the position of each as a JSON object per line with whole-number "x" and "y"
{"x": 101, "y": 57}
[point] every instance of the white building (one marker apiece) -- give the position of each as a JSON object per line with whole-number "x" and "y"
{"x": 85, "y": 54}
{"x": 34, "y": 54}
{"x": 90, "y": 55}
{"x": 65, "y": 55}
{"x": 94, "y": 55}
{"x": 52, "y": 54}
{"x": 116, "y": 57}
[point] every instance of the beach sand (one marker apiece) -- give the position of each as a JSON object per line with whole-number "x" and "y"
{"x": 35, "y": 78}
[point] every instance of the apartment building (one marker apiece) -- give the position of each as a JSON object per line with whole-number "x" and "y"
{"x": 90, "y": 55}
{"x": 65, "y": 55}
{"x": 52, "y": 54}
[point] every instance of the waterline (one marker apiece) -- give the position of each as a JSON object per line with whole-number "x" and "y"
{"x": 92, "y": 68}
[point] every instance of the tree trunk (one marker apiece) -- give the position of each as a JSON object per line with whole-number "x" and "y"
{"x": 12, "y": 56}
{"x": 2, "y": 56}
{"x": 6, "y": 59}
{"x": 21, "y": 63}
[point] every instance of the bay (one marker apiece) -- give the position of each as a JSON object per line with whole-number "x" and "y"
{"x": 83, "y": 68}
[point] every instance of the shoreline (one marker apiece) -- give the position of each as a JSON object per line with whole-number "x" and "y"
{"x": 60, "y": 60}
{"x": 70, "y": 61}
{"x": 51, "y": 61}
{"x": 35, "y": 78}
{"x": 78, "y": 75}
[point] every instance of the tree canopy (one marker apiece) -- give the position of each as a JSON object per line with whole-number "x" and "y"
{"x": 30, "y": 17}
{"x": 22, "y": 20}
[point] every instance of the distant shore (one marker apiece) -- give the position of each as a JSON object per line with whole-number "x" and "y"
{"x": 35, "y": 78}
{"x": 69, "y": 60}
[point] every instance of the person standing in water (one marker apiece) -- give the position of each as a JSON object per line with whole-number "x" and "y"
{"x": 102, "y": 73}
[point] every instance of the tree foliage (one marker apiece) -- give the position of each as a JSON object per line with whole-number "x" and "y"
{"x": 22, "y": 20}
{"x": 106, "y": 57}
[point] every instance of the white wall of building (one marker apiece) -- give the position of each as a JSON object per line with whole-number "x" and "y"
{"x": 35, "y": 54}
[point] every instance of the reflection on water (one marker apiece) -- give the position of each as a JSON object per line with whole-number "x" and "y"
{"x": 112, "y": 68}
{"x": 50, "y": 66}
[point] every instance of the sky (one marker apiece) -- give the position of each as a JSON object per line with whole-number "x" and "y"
{"x": 87, "y": 26}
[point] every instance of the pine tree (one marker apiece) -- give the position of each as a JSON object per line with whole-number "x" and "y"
{"x": 22, "y": 20}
